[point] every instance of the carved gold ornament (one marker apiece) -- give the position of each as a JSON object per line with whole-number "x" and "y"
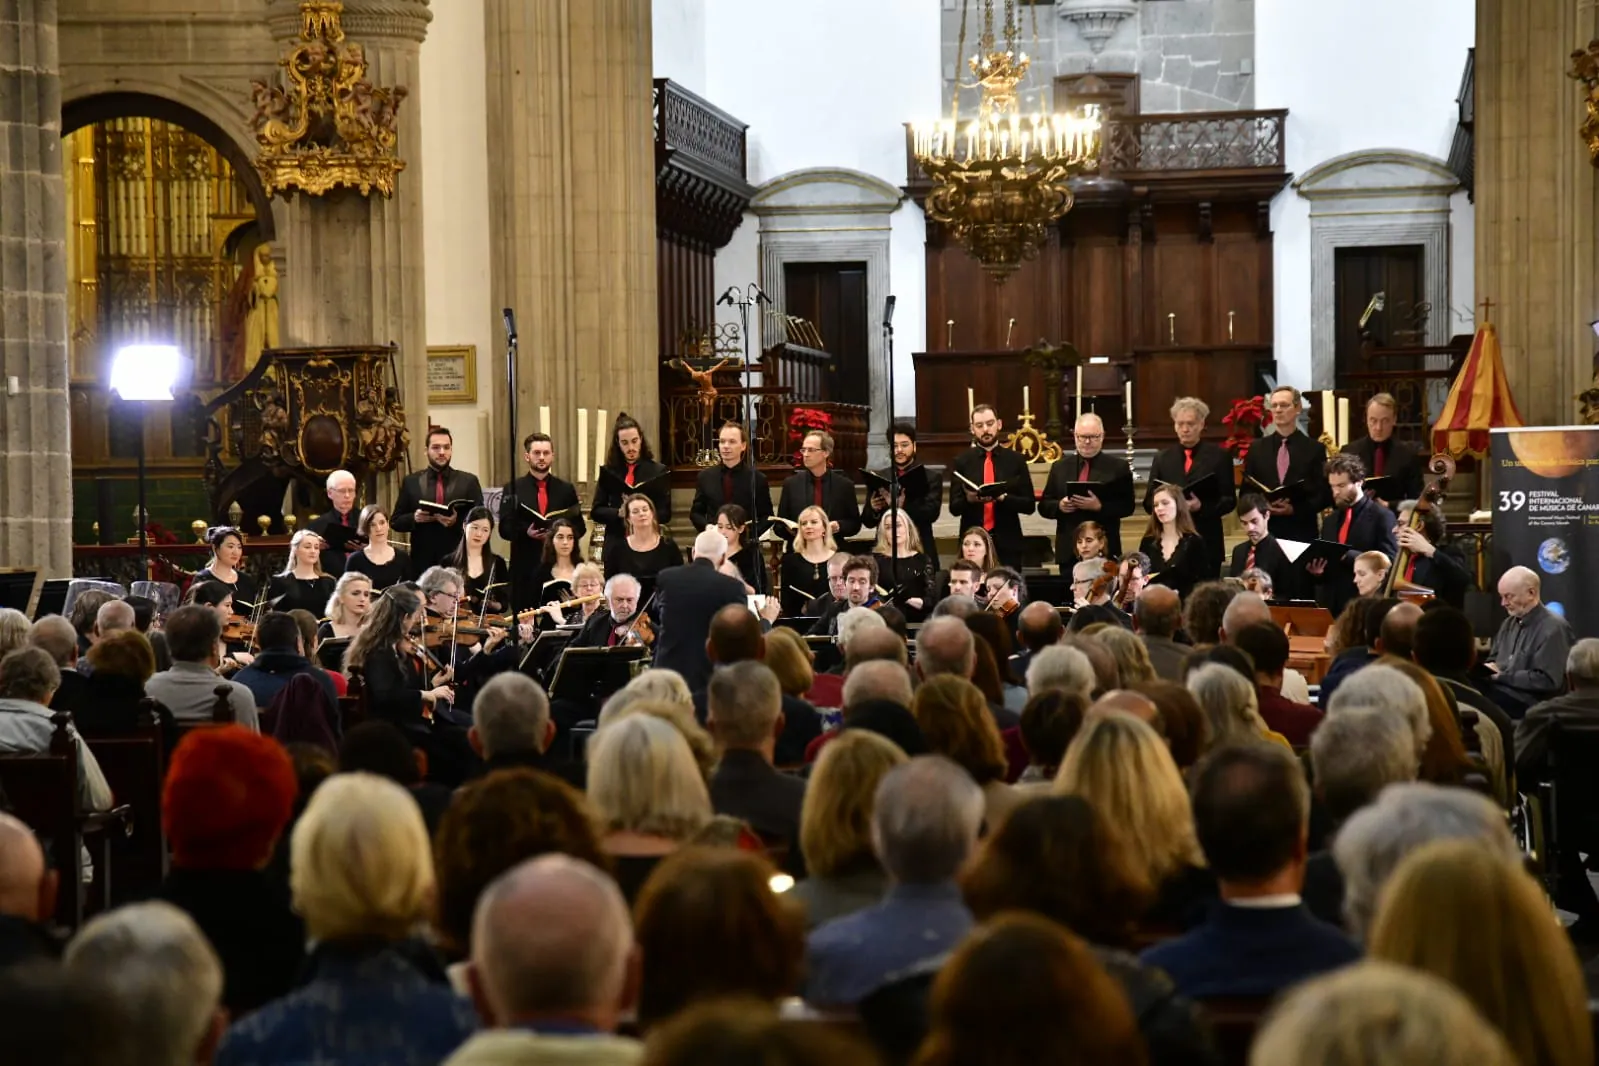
{"x": 326, "y": 127}
{"x": 1585, "y": 68}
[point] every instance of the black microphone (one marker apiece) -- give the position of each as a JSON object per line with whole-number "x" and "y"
{"x": 888, "y": 312}
{"x": 510, "y": 324}
{"x": 760, "y": 294}
{"x": 729, "y": 297}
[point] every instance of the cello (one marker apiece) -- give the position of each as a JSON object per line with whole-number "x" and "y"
{"x": 1442, "y": 467}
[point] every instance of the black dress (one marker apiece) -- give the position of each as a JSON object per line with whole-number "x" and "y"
{"x": 642, "y": 565}
{"x": 748, "y": 562}
{"x": 495, "y": 572}
{"x": 383, "y": 575}
{"x": 301, "y": 594}
{"x": 243, "y": 586}
{"x": 803, "y": 581}
{"x": 1186, "y": 568}
{"x": 915, "y": 582}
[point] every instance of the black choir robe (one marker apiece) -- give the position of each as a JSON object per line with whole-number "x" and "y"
{"x": 1208, "y": 458}
{"x": 1009, "y": 468}
{"x": 1306, "y": 462}
{"x": 433, "y": 542}
{"x": 1116, "y": 497}
{"x": 1403, "y": 462}
{"x": 838, "y": 500}
{"x": 923, "y": 511}
{"x": 527, "y": 553}
{"x": 607, "y": 509}
{"x": 709, "y": 497}
{"x": 333, "y": 558}
{"x": 1269, "y": 557}
{"x": 1371, "y": 528}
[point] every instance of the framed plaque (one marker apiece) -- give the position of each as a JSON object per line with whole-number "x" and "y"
{"x": 452, "y": 374}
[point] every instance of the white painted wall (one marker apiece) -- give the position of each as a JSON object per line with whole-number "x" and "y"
{"x": 1357, "y": 75}
{"x": 678, "y": 30}
{"x": 455, "y": 204}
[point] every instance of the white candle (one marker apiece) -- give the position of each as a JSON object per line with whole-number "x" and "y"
{"x": 1129, "y": 404}
{"x": 1027, "y": 398}
{"x": 601, "y": 445}
{"x": 971, "y": 402}
{"x": 1343, "y": 421}
{"x": 1329, "y": 415}
{"x": 544, "y": 420}
{"x": 1079, "y": 377}
{"x": 582, "y": 444}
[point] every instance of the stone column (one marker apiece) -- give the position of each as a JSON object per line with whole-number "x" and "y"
{"x": 353, "y": 264}
{"x": 35, "y": 446}
{"x": 572, "y": 210}
{"x": 1537, "y": 200}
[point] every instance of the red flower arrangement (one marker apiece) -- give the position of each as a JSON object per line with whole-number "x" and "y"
{"x": 803, "y": 420}
{"x": 1243, "y": 424}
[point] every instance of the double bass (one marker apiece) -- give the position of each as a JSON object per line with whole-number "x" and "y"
{"x": 1442, "y": 467}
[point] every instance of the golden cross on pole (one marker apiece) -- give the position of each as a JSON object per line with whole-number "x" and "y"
{"x": 1486, "y": 305}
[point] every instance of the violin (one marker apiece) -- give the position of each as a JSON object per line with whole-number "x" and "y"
{"x": 437, "y": 635}
{"x": 640, "y": 634}
{"x": 1003, "y": 608}
{"x": 238, "y": 630}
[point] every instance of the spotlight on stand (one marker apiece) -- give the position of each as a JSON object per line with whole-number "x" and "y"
{"x": 142, "y": 374}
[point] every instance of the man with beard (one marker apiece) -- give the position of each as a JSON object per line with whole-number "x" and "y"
{"x": 539, "y": 498}
{"x": 1192, "y": 459}
{"x": 922, "y": 505}
{"x": 999, "y": 509}
{"x": 1397, "y": 462}
{"x": 629, "y": 467}
{"x": 610, "y": 627}
{"x": 1289, "y": 458}
{"x": 434, "y": 537}
{"x": 860, "y": 590}
{"x": 733, "y": 480}
{"x": 1359, "y": 523}
{"x": 1260, "y": 550}
{"x": 1070, "y": 507}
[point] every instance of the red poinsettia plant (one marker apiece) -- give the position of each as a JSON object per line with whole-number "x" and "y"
{"x": 803, "y": 420}
{"x": 1243, "y": 424}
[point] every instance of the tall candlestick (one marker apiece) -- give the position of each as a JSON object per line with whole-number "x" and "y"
{"x": 601, "y": 444}
{"x": 971, "y": 402}
{"x": 1343, "y": 421}
{"x": 544, "y": 420}
{"x": 1171, "y": 326}
{"x": 582, "y": 444}
{"x": 949, "y": 334}
{"x": 1027, "y": 398}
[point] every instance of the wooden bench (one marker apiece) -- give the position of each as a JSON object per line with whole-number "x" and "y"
{"x": 134, "y": 765}
{"x": 1307, "y": 629}
{"x": 1234, "y": 1022}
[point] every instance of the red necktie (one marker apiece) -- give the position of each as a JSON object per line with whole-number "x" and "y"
{"x": 1188, "y": 460}
{"x": 1410, "y": 568}
{"x": 1082, "y": 471}
{"x": 1343, "y": 532}
{"x": 1379, "y": 458}
{"x": 438, "y": 485}
{"x": 988, "y": 479}
{"x": 544, "y": 497}
{"x": 1249, "y": 560}
{"x": 1282, "y": 462}
{"x": 631, "y": 467}
{"x": 816, "y": 484}
{"x": 344, "y": 518}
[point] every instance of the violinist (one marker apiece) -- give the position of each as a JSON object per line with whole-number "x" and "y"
{"x": 1093, "y": 582}
{"x": 301, "y": 584}
{"x": 1177, "y": 554}
{"x": 588, "y": 587}
{"x": 1004, "y": 593}
{"x": 902, "y": 563}
{"x": 403, "y": 688}
{"x": 617, "y": 622}
{"x": 1131, "y": 579}
{"x": 487, "y": 575}
{"x": 452, "y": 640}
{"x": 236, "y": 632}
{"x": 804, "y": 569}
{"x": 644, "y": 552}
{"x": 227, "y": 553}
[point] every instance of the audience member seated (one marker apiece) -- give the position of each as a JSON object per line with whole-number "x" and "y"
{"x": 14, "y": 630}
{"x": 877, "y": 698}
{"x": 1353, "y": 757}
{"x": 746, "y": 719}
{"x": 552, "y": 991}
{"x": 685, "y": 923}
{"x": 1133, "y": 666}
{"x": 144, "y": 612}
{"x": 1102, "y": 664}
{"x": 658, "y": 684}
{"x": 994, "y": 631}
{"x": 1230, "y": 705}
{"x": 1384, "y": 688}
{"x": 946, "y": 646}
{"x": 282, "y": 655}
{"x": 54, "y": 1018}
{"x": 746, "y": 1031}
{"x": 954, "y": 718}
{"x": 381, "y": 748}
{"x": 1203, "y": 611}
{"x": 1377, "y": 1014}
{"x": 1267, "y": 646}
{"x": 85, "y": 609}
{"x": 511, "y": 726}
{"x": 162, "y": 977}
{"x": 1482, "y": 923}
{"x": 55, "y": 635}
{"x": 492, "y": 825}
{"x": 647, "y": 792}
{"x": 188, "y": 690}
{"x": 1121, "y": 766}
{"x": 1049, "y": 722}
{"x": 1038, "y": 626}
{"x": 114, "y": 616}
{"x": 835, "y": 834}
{"x": 28, "y": 681}
{"x": 228, "y": 795}
{"x": 121, "y": 664}
{"x": 1063, "y": 668}
{"x": 1445, "y": 646}
{"x": 1252, "y": 814}
{"x": 736, "y": 637}
{"x": 1157, "y": 615}
{"x": 1247, "y": 609}
{"x": 27, "y": 896}
{"x": 1350, "y": 642}
{"x": 792, "y": 660}
{"x": 1376, "y": 838}
{"x": 1181, "y": 721}
{"x": 1058, "y": 858}
{"x": 925, "y": 821}
{"x": 1443, "y": 758}
{"x": 362, "y": 876}
{"x": 1021, "y": 989}
{"x": 1575, "y": 712}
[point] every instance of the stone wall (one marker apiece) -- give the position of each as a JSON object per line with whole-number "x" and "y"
{"x": 1191, "y": 55}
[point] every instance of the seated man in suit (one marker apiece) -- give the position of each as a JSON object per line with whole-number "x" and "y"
{"x": 1260, "y": 550}
{"x": 613, "y": 623}
{"x": 736, "y": 636}
{"x": 687, "y": 598}
{"x": 745, "y": 715}
{"x": 1528, "y": 657}
{"x": 1252, "y": 816}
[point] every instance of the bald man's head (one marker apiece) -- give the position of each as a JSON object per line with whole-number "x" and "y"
{"x": 735, "y": 636}
{"x": 1039, "y": 626}
{"x": 27, "y": 887}
{"x": 873, "y": 644}
{"x": 112, "y": 618}
{"x": 1398, "y": 633}
{"x": 1158, "y": 611}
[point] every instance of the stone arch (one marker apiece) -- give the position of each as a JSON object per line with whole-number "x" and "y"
{"x": 1375, "y": 197}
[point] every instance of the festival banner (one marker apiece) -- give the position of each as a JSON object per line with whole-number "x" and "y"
{"x": 1546, "y": 514}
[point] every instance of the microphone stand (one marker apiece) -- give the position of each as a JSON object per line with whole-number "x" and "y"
{"x": 508, "y": 501}
{"x": 894, "y": 509}
{"x": 751, "y": 297}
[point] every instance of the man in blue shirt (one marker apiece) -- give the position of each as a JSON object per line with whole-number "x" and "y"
{"x": 924, "y": 826}
{"x": 1252, "y": 816}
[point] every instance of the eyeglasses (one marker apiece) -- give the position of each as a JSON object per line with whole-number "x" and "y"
{"x": 1089, "y": 436}
{"x": 805, "y": 449}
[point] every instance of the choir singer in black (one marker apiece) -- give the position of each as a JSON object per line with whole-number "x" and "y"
{"x": 1260, "y": 550}
{"x": 1361, "y": 524}
{"x": 1288, "y": 469}
{"x": 921, "y": 493}
{"x": 541, "y": 498}
{"x": 990, "y": 487}
{"x": 435, "y": 536}
{"x": 629, "y": 468}
{"x": 733, "y": 480}
{"x": 1070, "y": 503}
{"x": 1200, "y": 463}
{"x": 817, "y": 485}
{"x": 1397, "y": 463}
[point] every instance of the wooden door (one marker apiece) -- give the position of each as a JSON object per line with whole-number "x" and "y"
{"x": 1397, "y": 271}
{"x": 833, "y": 297}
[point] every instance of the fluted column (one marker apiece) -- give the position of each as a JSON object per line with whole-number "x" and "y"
{"x": 353, "y": 265}
{"x": 572, "y": 210}
{"x": 35, "y": 446}
{"x": 1537, "y": 200}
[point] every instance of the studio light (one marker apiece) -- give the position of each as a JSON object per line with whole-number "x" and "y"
{"x": 141, "y": 374}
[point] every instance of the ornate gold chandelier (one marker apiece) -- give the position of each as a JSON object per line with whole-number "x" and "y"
{"x": 1001, "y": 179}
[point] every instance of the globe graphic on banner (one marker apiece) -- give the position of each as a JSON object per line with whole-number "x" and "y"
{"x": 1553, "y": 556}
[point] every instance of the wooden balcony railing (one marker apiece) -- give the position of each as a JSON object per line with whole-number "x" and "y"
{"x": 690, "y": 126}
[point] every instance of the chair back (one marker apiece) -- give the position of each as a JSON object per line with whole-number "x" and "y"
{"x": 43, "y": 791}
{"x": 1234, "y": 1021}
{"x": 353, "y": 706}
{"x": 1570, "y": 794}
{"x": 134, "y": 765}
{"x": 301, "y": 713}
{"x": 222, "y": 709}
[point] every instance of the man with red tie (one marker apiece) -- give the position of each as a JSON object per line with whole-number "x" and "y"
{"x": 1284, "y": 456}
{"x": 335, "y": 546}
{"x": 1385, "y": 457}
{"x": 815, "y": 484}
{"x": 1191, "y": 460}
{"x": 988, "y": 462}
{"x": 1108, "y": 505}
{"x": 1260, "y": 550}
{"x": 528, "y": 507}
{"x": 733, "y": 480}
{"x": 1359, "y": 523}
{"x": 435, "y": 537}
{"x": 635, "y": 467}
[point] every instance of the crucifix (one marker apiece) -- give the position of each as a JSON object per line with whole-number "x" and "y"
{"x": 1486, "y": 305}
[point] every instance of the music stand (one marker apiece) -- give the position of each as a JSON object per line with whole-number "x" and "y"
{"x": 540, "y": 656}
{"x": 53, "y": 597}
{"x": 591, "y": 675}
{"x": 19, "y": 589}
